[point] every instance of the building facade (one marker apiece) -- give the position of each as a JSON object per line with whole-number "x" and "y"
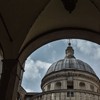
{"x": 68, "y": 79}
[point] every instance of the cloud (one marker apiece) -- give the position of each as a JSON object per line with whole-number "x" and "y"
{"x": 97, "y": 53}
{"x": 34, "y": 71}
{"x": 29, "y": 90}
{"x": 84, "y": 46}
{"x": 89, "y": 48}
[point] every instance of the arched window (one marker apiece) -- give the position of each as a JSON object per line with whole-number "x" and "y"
{"x": 82, "y": 85}
{"x": 58, "y": 85}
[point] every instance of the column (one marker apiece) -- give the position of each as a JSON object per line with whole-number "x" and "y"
{"x": 52, "y": 86}
{"x": 76, "y": 84}
{"x": 64, "y": 84}
{"x": 10, "y": 79}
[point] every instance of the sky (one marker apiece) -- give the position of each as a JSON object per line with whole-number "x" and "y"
{"x": 40, "y": 60}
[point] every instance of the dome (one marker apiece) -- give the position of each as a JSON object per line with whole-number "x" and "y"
{"x": 70, "y": 63}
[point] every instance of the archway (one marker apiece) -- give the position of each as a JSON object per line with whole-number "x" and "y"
{"x": 48, "y": 51}
{"x": 56, "y": 34}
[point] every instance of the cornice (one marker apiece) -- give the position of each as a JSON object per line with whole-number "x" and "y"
{"x": 71, "y": 74}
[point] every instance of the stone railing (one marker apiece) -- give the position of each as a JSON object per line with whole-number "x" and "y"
{"x": 67, "y": 95}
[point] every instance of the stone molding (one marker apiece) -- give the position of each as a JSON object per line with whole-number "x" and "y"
{"x": 72, "y": 73}
{"x": 65, "y": 90}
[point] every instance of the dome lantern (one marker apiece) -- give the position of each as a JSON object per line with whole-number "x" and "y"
{"x": 69, "y": 51}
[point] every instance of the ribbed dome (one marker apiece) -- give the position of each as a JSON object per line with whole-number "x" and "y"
{"x": 70, "y": 63}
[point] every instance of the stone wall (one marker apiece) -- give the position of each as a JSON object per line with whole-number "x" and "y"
{"x": 64, "y": 96}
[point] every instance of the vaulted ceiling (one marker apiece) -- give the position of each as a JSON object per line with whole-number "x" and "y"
{"x": 24, "y": 22}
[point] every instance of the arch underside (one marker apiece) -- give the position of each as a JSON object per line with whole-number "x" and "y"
{"x": 57, "y": 34}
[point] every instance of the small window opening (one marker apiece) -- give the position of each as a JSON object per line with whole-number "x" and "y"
{"x": 70, "y": 85}
{"x": 70, "y": 94}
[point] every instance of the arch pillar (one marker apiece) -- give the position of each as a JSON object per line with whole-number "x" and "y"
{"x": 10, "y": 79}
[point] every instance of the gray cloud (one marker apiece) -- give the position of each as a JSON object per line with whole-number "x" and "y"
{"x": 89, "y": 48}
{"x": 33, "y": 74}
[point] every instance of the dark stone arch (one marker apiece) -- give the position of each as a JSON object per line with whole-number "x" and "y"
{"x": 56, "y": 34}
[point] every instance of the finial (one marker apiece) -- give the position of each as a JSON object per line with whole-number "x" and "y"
{"x": 69, "y": 43}
{"x": 69, "y": 51}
